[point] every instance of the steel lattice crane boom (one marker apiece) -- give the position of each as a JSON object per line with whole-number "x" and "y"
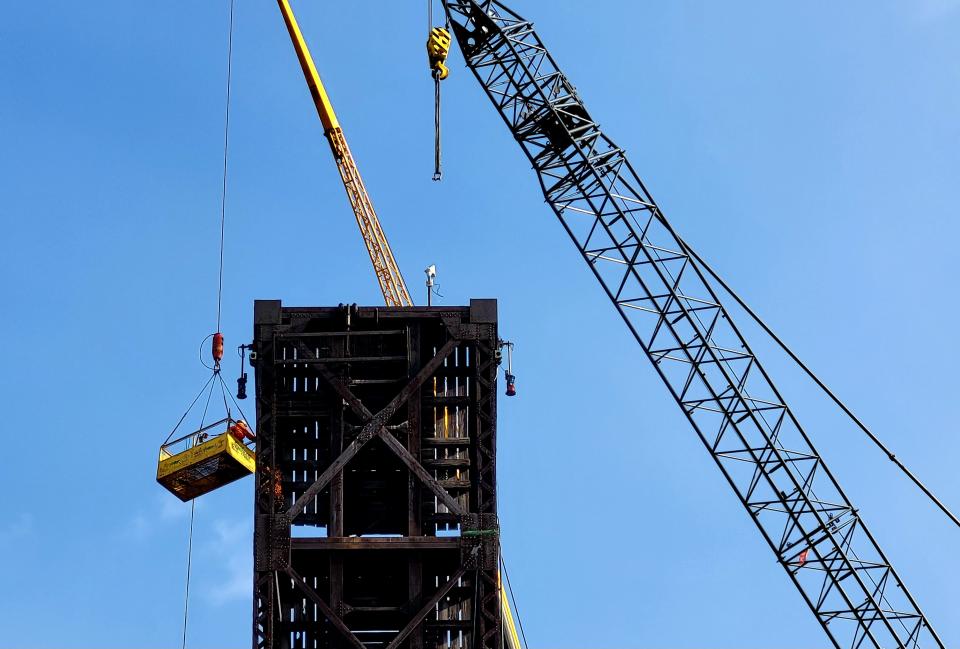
{"x": 663, "y": 296}
{"x": 391, "y": 282}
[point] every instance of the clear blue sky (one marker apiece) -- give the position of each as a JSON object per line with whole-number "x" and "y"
{"x": 810, "y": 150}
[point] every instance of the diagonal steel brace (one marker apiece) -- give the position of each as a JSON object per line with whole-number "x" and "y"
{"x": 328, "y": 612}
{"x": 376, "y": 425}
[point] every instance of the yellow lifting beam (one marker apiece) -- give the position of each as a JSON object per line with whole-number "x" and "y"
{"x": 385, "y": 266}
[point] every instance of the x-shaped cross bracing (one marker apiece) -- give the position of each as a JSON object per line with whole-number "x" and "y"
{"x": 375, "y": 426}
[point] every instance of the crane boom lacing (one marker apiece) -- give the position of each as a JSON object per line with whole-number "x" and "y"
{"x": 664, "y": 299}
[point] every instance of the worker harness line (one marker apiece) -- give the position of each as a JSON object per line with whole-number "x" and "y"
{"x": 819, "y": 383}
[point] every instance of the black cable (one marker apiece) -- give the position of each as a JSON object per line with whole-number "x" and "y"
{"x": 212, "y": 368}
{"x": 227, "y": 391}
{"x": 216, "y": 372}
{"x": 189, "y": 408}
{"x": 516, "y": 609}
{"x": 203, "y": 417}
{"x": 223, "y": 394}
{"x": 193, "y": 504}
{"x": 437, "y": 152}
{"x": 437, "y": 143}
{"x": 476, "y": 607}
{"x": 226, "y": 149}
{"x": 186, "y": 597}
{"x": 836, "y": 400}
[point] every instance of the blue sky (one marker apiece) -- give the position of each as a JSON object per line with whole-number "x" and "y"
{"x": 810, "y": 152}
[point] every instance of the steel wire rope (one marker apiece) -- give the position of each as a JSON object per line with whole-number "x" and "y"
{"x": 437, "y": 111}
{"x": 223, "y": 395}
{"x": 212, "y": 368}
{"x": 216, "y": 370}
{"x": 186, "y": 597}
{"x": 227, "y": 392}
{"x": 759, "y": 415}
{"x": 189, "y": 408}
{"x": 816, "y": 379}
{"x": 476, "y": 608}
{"x": 846, "y": 410}
{"x": 226, "y": 152}
{"x": 437, "y": 126}
{"x": 516, "y": 609}
{"x": 193, "y": 509}
{"x": 808, "y": 485}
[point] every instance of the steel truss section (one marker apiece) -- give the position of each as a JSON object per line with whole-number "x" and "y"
{"x": 375, "y": 504}
{"x": 665, "y": 300}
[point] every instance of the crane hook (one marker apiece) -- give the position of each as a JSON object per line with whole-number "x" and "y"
{"x": 438, "y": 48}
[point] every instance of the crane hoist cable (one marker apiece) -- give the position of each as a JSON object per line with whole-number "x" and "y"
{"x": 226, "y": 158}
{"x": 385, "y": 266}
{"x": 217, "y": 337}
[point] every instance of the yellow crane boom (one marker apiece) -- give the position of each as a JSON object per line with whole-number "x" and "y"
{"x": 391, "y": 282}
{"x": 388, "y": 273}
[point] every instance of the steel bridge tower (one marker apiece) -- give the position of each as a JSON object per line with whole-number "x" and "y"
{"x": 375, "y": 502}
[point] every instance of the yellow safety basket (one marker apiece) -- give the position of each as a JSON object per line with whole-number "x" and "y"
{"x": 207, "y": 464}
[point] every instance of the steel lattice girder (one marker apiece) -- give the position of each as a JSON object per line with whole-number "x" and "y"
{"x": 666, "y": 302}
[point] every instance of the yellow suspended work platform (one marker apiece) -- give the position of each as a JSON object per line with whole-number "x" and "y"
{"x": 207, "y": 463}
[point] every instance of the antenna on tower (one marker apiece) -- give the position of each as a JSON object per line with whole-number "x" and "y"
{"x": 431, "y": 272}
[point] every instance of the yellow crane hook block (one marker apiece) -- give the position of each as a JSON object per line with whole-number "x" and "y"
{"x": 209, "y": 462}
{"x": 438, "y": 47}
